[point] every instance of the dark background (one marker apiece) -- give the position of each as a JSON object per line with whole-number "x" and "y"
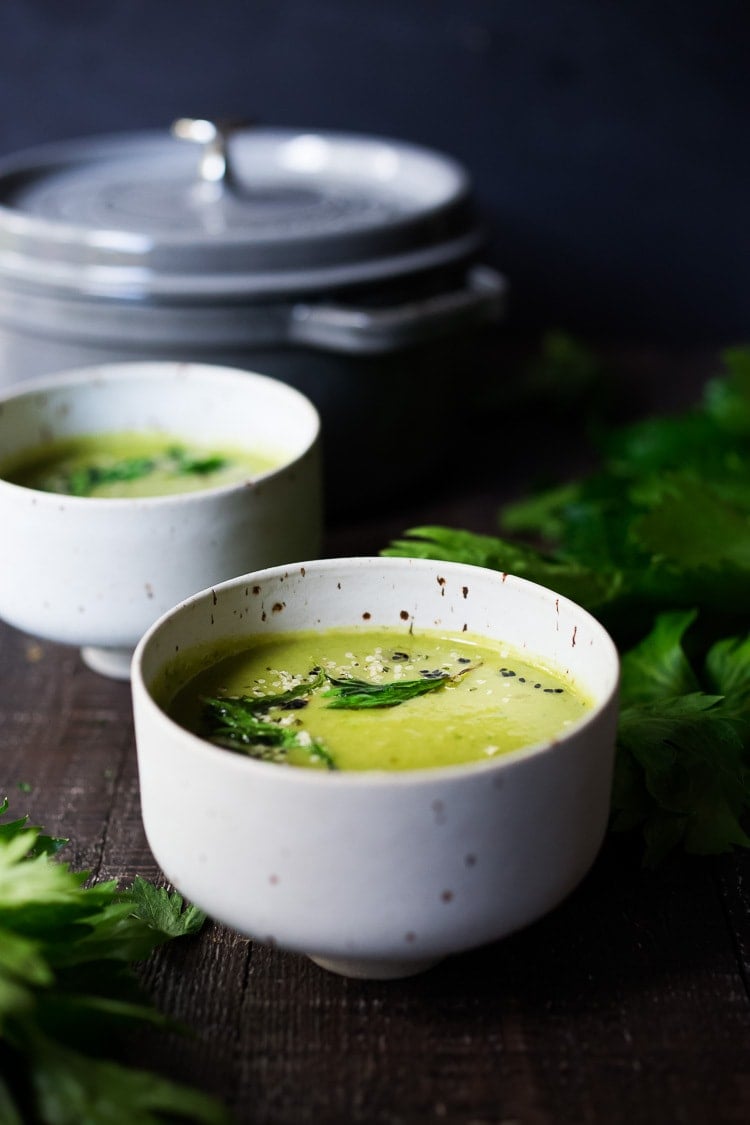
{"x": 607, "y": 141}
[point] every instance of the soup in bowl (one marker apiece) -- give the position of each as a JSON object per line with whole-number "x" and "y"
{"x": 376, "y": 762}
{"x": 127, "y": 487}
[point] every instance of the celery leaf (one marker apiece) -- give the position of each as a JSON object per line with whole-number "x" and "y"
{"x": 68, "y": 991}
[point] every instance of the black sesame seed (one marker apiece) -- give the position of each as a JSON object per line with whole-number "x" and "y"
{"x": 522, "y": 679}
{"x": 507, "y": 672}
{"x": 537, "y": 685}
{"x": 399, "y": 656}
{"x": 464, "y": 660}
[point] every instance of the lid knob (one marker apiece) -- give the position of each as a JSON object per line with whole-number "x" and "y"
{"x": 215, "y": 167}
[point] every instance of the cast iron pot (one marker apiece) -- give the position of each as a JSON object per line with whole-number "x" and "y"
{"x": 348, "y": 266}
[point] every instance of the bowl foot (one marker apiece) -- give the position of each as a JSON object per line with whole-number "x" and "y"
{"x": 369, "y": 969}
{"x": 112, "y": 662}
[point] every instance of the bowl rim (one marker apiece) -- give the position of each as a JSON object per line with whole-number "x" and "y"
{"x": 373, "y": 777}
{"x": 136, "y": 370}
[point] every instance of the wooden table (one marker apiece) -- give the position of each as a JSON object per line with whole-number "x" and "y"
{"x": 627, "y": 1004}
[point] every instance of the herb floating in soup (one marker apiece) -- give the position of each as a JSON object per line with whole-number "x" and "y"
{"x": 131, "y": 464}
{"x": 364, "y": 699}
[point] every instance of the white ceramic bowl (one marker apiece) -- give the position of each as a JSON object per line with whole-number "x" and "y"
{"x": 97, "y": 572}
{"x": 377, "y": 874}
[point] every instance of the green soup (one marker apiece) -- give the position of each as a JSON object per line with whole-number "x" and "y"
{"x": 367, "y": 699}
{"x": 132, "y": 464}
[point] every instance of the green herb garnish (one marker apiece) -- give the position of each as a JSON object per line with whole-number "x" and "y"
{"x": 241, "y": 722}
{"x": 83, "y": 481}
{"x": 68, "y": 993}
{"x": 352, "y": 694}
{"x": 661, "y": 528}
{"x": 183, "y": 462}
{"x": 234, "y": 722}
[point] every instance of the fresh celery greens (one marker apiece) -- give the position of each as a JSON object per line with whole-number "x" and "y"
{"x": 656, "y": 544}
{"x": 68, "y": 993}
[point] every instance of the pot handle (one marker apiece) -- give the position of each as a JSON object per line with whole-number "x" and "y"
{"x": 347, "y": 328}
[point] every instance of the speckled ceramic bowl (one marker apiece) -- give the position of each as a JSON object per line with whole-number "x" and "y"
{"x": 376, "y": 874}
{"x": 97, "y": 572}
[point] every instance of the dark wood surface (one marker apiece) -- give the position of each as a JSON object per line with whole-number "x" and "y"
{"x": 627, "y": 1004}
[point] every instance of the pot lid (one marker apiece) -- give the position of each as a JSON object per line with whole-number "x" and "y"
{"x": 245, "y": 211}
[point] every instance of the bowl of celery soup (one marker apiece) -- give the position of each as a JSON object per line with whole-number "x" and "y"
{"x": 127, "y": 487}
{"x": 375, "y": 761}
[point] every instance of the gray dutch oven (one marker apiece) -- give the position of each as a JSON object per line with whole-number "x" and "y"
{"x": 345, "y": 265}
